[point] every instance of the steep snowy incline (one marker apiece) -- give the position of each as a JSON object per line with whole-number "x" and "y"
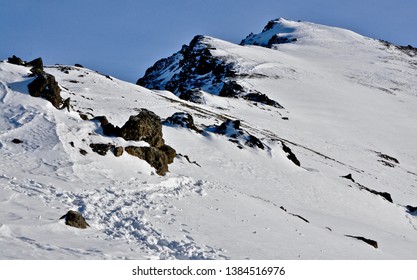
{"x": 258, "y": 176}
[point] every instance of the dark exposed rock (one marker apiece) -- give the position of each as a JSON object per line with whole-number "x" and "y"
{"x": 145, "y": 126}
{"x": 117, "y": 151}
{"x": 349, "y": 177}
{"x": 290, "y": 155}
{"x": 193, "y": 95}
{"x": 181, "y": 119}
{"x": 231, "y": 129}
{"x": 388, "y": 158}
{"x": 45, "y": 86}
{"x": 100, "y": 148}
{"x": 83, "y": 116}
{"x": 231, "y": 89}
{"x": 17, "y": 141}
{"x": 188, "y": 159}
{"x": 37, "y": 66}
{"x": 157, "y": 158}
{"x": 411, "y": 209}
{"x": 295, "y": 215}
{"x": 72, "y": 144}
{"x": 169, "y": 152}
{"x": 261, "y": 98}
{"x": 408, "y": 50}
{"x": 78, "y": 65}
{"x": 275, "y": 39}
{"x": 384, "y": 195}
{"x": 83, "y": 152}
{"x": 194, "y": 69}
{"x": 66, "y": 104}
{"x": 108, "y": 128}
{"x": 16, "y": 60}
{"x": 75, "y": 219}
{"x": 371, "y": 242}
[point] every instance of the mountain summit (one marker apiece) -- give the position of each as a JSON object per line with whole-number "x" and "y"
{"x": 297, "y": 143}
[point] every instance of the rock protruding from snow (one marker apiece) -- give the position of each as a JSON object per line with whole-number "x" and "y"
{"x": 181, "y": 119}
{"x": 157, "y": 158}
{"x": 75, "y": 219}
{"x": 194, "y": 70}
{"x": 290, "y": 155}
{"x": 371, "y": 242}
{"x": 145, "y": 126}
{"x": 45, "y": 86}
{"x": 236, "y": 134}
{"x": 274, "y": 33}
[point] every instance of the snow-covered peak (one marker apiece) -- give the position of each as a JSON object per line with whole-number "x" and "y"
{"x": 277, "y": 31}
{"x": 281, "y": 31}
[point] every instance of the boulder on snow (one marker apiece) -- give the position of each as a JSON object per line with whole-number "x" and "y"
{"x": 181, "y": 119}
{"x": 100, "y": 148}
{"x": 231, "y": 129}
{"x": 75, "y": 219}
{"x": 45, "y": 86}
{"x": 108, "y": 128}
{"x": 157, "y": 158}
{"x": 145, "y": 126}
{"x": 37, "y": 66}
{"x": 16, "y": 60}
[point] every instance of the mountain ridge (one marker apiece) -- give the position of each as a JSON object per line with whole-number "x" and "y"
{"x": 328, "y": 174}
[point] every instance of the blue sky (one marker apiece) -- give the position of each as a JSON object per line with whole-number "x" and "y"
{"x": 124, "y": 38}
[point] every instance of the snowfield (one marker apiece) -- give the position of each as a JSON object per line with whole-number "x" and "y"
{"x": 349, "y": 108}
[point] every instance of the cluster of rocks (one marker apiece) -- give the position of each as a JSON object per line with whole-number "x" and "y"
{"x": 231, "y": 129}
{"x": 408, "y": 50}
{"x": 274, "y": 39}
{"x": 194, "y": 69}
{"x": 44, "y": 85}
{"x": 145, "y": 126}
{"x": 181, "y": 119}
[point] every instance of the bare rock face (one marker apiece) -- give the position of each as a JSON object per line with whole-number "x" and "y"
{"x": 157, "y": 158}
{"x": 45, "y": 86}
{"x": 75, "y": 219}
{"x": 145, "y": 126}
{"x": 181, "y": 119}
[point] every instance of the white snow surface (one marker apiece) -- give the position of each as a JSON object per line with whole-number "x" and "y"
{"x": 347, "y": 99}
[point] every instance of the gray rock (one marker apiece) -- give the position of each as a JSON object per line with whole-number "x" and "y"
{"x": 45, "y": 86}
{"x": 75, "y": 219}
{"x": 145, "y": 126}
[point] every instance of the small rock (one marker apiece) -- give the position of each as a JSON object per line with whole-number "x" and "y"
{"x": 117, "y": 151}
{"x": 17, "y": 141}
{"x": 75, "y": 219}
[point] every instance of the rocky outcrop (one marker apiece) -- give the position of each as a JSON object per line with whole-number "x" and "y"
{"x": 45, "y": 86}
{"x": 408, "y": 50}
{"x": 75, "y": 219}
{"x": 371, "y": 242}
{"x": 231, "y": 129}
{"x": 157, "y": 158}
{"x": 145, "y": 126}
{"x": 181, "y": 119}
{"x": 108, "y": 128}
{"x": 274, "y": 33}
{"x": 385, "y": 195}
{"x": 290, "y": 155}
{"x": 194, "y": 70}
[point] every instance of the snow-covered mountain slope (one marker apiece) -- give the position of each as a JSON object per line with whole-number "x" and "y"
{"x": 235, "y": 189}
